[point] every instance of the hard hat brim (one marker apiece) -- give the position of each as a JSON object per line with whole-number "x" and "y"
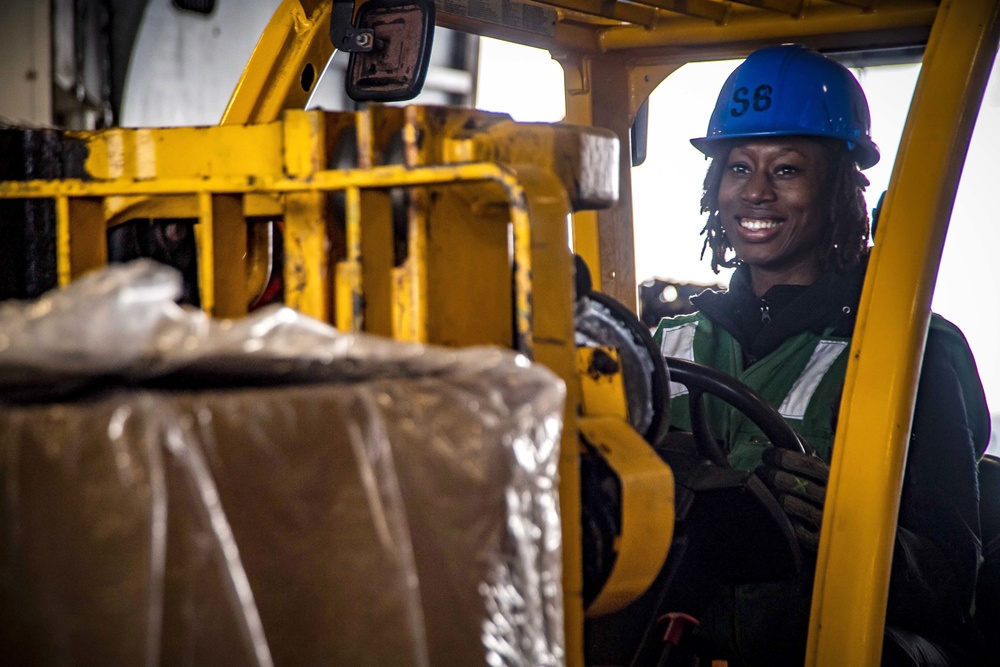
{"x": 865, "y": 152}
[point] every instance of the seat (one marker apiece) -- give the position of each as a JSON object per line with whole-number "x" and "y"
{"x": 988, "y": 589}
{"x": 904, "y": 649}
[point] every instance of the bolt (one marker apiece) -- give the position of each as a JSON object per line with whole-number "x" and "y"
{"x": 363, "y": 40}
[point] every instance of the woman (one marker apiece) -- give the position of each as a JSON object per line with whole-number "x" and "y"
{"x": 788, "y": 138}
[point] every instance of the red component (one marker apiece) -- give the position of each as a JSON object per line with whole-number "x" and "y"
{"x": 677, "y": 624}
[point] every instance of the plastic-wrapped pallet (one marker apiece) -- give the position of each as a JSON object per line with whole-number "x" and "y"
{"x": 176, "y": 490}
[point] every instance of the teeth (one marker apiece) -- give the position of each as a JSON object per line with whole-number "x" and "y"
{"x": 754, "y": 225}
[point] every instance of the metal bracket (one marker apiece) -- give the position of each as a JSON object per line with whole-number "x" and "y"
{"x": 344, "y": 35}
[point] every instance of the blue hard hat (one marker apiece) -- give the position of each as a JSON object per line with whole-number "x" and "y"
{"x": 791, "y": 90}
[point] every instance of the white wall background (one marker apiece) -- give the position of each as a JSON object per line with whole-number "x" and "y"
{"x": 26, "y": 54}
{"x": 185, "y": 66}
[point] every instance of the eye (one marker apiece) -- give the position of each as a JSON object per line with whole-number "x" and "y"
{"x": 787, "y": 170}
{"x": 738, "y": 168}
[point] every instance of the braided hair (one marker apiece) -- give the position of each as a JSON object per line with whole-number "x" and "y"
{"x": 846, "y": 232}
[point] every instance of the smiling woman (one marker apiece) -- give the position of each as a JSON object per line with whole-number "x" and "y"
{"x": 785, "y": 195}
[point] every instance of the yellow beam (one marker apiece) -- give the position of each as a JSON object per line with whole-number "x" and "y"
{"x": 595, "y": 90}
{"x": 147, "y": 154}
{"x": 350, "y": 279}
{"x": 790, "y": 7}
{"x": 205, "y": 237}
{"x": 544, "y": 314}
{"x": 376, "y": 177}
{"x": 579, "y": 110}
{"x": 473, "y": 246}
{"x": 703, "y": 9}
{"x": 292, "y": 51}
{"x": 869, "y": 455}
{"x": 568, "y": 33}
{"x": 825, "y": 26}
{"x": 604, "y": 239}
{"x": 229, "y": 256}
{"x": 864, "y": 4}
{"x": 81, "y": 242}
{"x": 616, "y": 11}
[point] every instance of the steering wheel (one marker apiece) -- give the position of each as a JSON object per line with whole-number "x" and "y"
{"x": 700, "y": 379}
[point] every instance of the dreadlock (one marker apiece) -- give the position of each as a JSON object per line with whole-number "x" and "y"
{"x": 845, "y": 234}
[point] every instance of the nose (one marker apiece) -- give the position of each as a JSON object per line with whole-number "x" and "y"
{"x": 757, "y": 189}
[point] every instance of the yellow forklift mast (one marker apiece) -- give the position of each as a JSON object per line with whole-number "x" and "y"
{"x": 449, "y": 226}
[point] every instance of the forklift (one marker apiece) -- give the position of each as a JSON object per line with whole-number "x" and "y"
{"x": 402, "y": 221}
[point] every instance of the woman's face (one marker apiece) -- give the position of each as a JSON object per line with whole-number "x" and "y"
{"x": 771, "y": 208}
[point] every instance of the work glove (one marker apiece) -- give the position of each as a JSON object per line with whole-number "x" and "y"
{"x": 798, "y": 481}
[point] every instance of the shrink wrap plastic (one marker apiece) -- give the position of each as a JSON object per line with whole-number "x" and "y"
{"x": 178, "y": 490}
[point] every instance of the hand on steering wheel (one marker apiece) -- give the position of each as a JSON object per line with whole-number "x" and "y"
{"x": 795, "y": 476}
{"x": 798, "y": 481}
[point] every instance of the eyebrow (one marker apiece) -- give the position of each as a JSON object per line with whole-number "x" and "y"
{"x": 783, "y": 150}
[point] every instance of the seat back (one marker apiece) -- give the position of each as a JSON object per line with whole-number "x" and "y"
{"x": 988, "y": 587}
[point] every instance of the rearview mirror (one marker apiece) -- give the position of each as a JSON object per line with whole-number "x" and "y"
{"x": 390, "y": 50}
{"x": 639, "y": 133}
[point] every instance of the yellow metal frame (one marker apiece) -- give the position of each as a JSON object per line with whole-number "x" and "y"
{"x": 859, "y": 522}
{"x": 647, "y": 483}
{"x": 79, "y": 201}
{"x": 611, "y": 52}
{"x": 647, "y": 488}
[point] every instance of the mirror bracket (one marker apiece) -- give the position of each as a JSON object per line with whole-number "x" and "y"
{"x": 343, "y": 34}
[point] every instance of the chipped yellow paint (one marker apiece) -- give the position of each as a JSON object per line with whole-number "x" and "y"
{"x": 63, "y": 259}
{"x": 647, "y": 487}
{"x": 602, "y": 389}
